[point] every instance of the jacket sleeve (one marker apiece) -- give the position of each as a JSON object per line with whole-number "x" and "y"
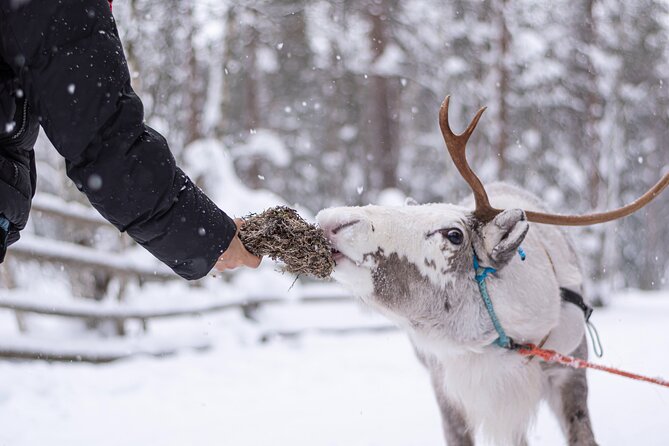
{"x": 69, "y": 58}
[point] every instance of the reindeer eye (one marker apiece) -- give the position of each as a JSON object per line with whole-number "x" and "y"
{"x": 453, "y": 235}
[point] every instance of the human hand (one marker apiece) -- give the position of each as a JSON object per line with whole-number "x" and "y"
{"x": 236, "y": 255}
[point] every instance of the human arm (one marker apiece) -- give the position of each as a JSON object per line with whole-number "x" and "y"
{"x": 69, "y": 58}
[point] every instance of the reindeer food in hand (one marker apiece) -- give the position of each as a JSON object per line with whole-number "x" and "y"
{"x": 282, "y": 234}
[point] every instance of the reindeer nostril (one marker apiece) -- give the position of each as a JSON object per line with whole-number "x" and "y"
{"x": 345, "y": 225}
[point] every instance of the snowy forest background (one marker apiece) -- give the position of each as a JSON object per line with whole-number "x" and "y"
{"x": 322, "y": 103}
{"x": 329, "y": 103}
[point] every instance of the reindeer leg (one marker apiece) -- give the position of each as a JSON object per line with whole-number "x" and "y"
{"x": 569, "y": 400}
{"x": 455, "y": 427}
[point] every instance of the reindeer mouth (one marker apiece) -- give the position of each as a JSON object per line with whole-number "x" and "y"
{"x": 341, "y": 259}
{"x": 337, "y": 250}
{"x": 337, "y": 255}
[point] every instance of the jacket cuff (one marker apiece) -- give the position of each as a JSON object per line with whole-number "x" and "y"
{"x": 196, "y": 232}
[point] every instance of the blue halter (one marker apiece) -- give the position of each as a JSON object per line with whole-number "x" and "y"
{"x": 480, "y": 274}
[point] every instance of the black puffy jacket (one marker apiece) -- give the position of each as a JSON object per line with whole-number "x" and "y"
{"x": 62, "y": 66}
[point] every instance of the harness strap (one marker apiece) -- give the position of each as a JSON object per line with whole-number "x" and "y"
{"x": 576, "y": 299}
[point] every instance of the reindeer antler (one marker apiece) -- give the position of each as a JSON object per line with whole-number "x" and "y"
{"x": 456, "y": 145}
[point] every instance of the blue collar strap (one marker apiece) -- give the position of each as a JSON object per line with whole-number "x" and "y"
{"x": 480, "y": 274}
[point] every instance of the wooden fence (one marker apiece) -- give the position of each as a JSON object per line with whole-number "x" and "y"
{"x": 124, "y": 269}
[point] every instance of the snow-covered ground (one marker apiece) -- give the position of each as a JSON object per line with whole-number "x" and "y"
{"x": 362, "y": 389}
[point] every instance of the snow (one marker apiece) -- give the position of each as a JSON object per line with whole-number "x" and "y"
{"x": 267, "y": 60}
{"x": 267, "y": 144}
{"x": 389, "y": 62}
{"x": 353, "y": 390}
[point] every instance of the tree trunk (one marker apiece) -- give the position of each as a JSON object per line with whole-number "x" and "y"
{"x": 252, "y": 120}
{"x": 193, "y": 131}
{"x": 503, "y": 73}
{"x": 383, "y": 126}
{"x": 593, "y": 102}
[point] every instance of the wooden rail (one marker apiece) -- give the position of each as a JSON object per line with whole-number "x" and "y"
{"x": 54, "y": 206}
{"x": 32, "y": 247}
{"x": 103, "y": 353}
{"x": 278, "y": 334}
{"x": 86, "y": 310}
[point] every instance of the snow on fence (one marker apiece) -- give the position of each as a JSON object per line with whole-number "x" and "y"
{"x": 96, "y": 352}
{"x": 55, "y": 206}
{"x": 41, "y": 249}
{"x": 121, "y": 312}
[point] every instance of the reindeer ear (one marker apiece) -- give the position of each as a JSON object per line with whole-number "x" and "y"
{"x": 503, "y": 235}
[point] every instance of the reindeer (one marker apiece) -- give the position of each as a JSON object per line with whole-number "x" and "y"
{"x": 422, "y": 266}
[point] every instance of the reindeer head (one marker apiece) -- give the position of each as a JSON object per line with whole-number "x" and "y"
{"x": 414, "y": 263}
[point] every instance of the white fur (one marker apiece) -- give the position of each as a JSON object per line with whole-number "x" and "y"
{"x": 497, "y": 391}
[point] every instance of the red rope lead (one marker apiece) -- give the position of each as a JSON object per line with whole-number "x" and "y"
{"x": 570, "y": 361}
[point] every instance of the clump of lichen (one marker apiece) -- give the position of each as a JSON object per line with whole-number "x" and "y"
{"x": 282, "y": 234}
